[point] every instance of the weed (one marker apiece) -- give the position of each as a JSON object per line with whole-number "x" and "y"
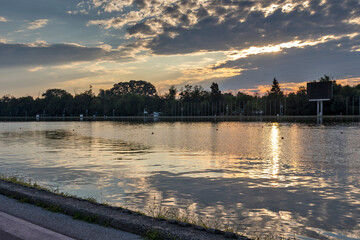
{"x": 86, "y": 218}
{"x": 271, "y": 236}
{"x": 105, "y": 203}
{"x": 24, "y": 200}
{"x": 91, "y": 199}
{"x": 153, "y": 235}
{"x": 54, "y": 208}
{"x": 156, "y": 235}
{"x": 22, "y": 181}
{"x": 162, "y": 212}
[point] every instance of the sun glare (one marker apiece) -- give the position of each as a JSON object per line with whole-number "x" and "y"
{"x": 275, "y": 149}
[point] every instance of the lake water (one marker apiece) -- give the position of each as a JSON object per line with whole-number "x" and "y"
{"x": 287, "y": 179}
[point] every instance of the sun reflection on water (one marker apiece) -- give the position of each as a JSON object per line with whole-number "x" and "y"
{"x": 277, "y": 177}
{"x": 275, "y": 150}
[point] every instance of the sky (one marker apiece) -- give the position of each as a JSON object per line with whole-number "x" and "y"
{"x": 240, "y": 44}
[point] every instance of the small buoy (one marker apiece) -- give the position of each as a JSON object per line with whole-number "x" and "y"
{"x": 73, "y": 129}
{"x": 152, "y": 133}
{"x": 282, "y": 137}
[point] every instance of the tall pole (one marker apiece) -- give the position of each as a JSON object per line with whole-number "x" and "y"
{"x": 320, "y": 108}
{"x": 317, "y": 108}
{"x": 265, "y": 110}
{"x": 353, "y": 106}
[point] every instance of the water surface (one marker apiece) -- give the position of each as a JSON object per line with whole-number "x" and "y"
{"x": 284, "y": 178}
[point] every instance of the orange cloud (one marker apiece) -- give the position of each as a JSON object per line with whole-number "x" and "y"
{"x": 289, "y": 87}
{"x": 349, "y": 81}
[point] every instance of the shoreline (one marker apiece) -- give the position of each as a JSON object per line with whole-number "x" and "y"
{"x": 115, "y": 217}
{"x": 287, "y": 118}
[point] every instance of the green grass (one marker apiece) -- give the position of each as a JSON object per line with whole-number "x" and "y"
{"x": 156, "y": 235}
{"x": 153, "y": 235}
{"x": 167, "y": 213}
{"x": 28, "y": 182}
{"x": 273, "y": 237}
{"x": 86, "y": 218}
{"x": 91, "y": 199}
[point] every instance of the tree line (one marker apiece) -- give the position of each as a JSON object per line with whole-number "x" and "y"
{"x": 135, "y": 98}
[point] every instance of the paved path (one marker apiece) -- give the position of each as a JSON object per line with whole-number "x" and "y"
{"x": 7, "y": 236}
{"x": 22, "y": 221}
{"x": 13, "y": 227}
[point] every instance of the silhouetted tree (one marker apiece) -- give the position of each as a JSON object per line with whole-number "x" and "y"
{"x": 215, "y": 93}
{"x": 56, "y": 102}
{"x": 275, "y": 89}
{"x": 134, "y": 87}
{"x": 185, "y": 93}
{"x": 172, "y": 94}
{"x": 325, "y": 78}
{"x": 55, "y": 92}
{"x": 83, "y": 103}
{"x": 131, "y": 98}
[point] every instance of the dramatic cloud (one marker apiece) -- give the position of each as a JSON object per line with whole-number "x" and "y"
{"x": 187, "y": 26}
{"x": 41, "y": 53}
{"x": 296, "y": 65}
{"x": 35, "y": 69}
{"x": 289, "y": 87}
{"x": 3, "y": 19}
{"x": 111, "y": 5}
{"x": 343, "y": 42}
{"x": 118, "y": 22}
{"x": 241, "y": 44}
{"x": 37, "y": 24}
{"x": 257, "y": 29}
{"x": 296, "y": 61}
{"x": 4, "y": 40}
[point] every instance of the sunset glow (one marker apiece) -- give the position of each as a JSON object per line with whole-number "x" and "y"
{"x": 241, "y": 45}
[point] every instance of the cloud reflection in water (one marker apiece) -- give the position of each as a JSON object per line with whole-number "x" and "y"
{"x": 276, "y": 177}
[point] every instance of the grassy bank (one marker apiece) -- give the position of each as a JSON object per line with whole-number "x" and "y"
{"x": 157, "y": 212}
{"x": 87, "y": 209}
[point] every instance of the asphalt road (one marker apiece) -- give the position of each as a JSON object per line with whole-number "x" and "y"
{"x": 7, "y": 236}
{"x": 13, "y": 227}
{"x": 28, "y": 222}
